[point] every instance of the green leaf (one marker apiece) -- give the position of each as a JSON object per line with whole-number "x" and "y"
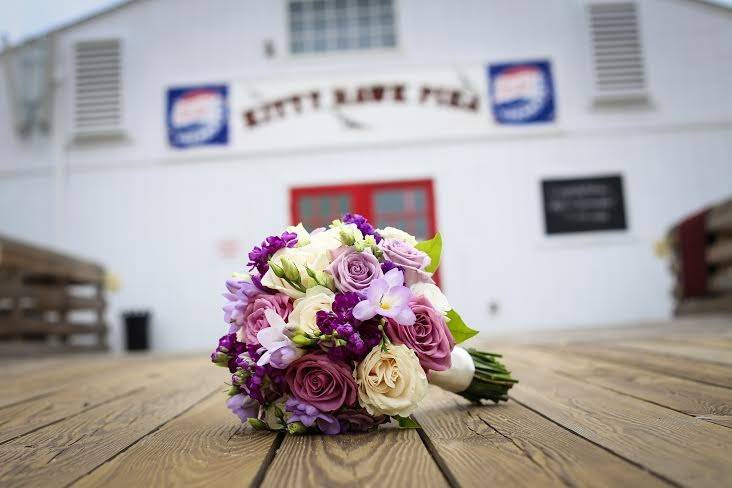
{"x": 460, "y": 331}
{"x": 407, "y": 422}
{"x": 433, "y": 248}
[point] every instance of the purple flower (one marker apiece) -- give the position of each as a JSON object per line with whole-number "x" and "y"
{"x": 277, "y": 349}
{"x": 363, "y": 225}
{"x": 359, "y": 420}
{"x": 309, "y": 416}
{"x": 387, "y": 297}
{"x": 243, "y": 406}
{"x": 387, "y": 266}
{"x": 429, "y": 337}
{"x": 255, "y": 319}
{"x": 353, "y": 270}
{"x": 259, "y": 256}
{"x": 240, "y": 292}
{"x": 410, "y": 259}
{"x": 227, "y": 352}
{"x": 321, "y": 382}
{"x": 360, "y": 337}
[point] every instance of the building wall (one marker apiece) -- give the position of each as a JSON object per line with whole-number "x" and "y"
{"x": 155, "y": 216}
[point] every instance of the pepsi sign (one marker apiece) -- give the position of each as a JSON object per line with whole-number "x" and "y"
{"x": 521, "y": 93}
{"x": 198, "y": 116}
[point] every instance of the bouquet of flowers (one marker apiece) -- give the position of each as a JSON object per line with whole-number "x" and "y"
{"x": 341, "y": 329}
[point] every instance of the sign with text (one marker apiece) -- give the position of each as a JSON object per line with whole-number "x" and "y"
{"x": 522, "y": 93}
{"x": 583, "y": 204}
{"x": 198, "y": 116}
{"x": 360, "y": 108}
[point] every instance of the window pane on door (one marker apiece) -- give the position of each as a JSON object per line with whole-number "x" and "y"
{"x": 404, "y": 208}
{"x": 320, "y": 210}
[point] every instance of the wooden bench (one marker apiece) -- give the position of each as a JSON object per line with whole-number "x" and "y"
{"x": 48, "y": 300}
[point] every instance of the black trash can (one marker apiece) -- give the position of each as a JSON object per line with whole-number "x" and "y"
{"x": 137, "y": 330}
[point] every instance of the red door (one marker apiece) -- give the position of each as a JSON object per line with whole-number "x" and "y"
{"x": 408, "y": 205}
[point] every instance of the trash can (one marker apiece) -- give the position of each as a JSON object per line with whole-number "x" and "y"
{"x": 137, "y": 330}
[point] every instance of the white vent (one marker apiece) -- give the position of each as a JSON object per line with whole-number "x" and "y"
{"x": 617, "y": 52}
{"x": 98, "y": 90}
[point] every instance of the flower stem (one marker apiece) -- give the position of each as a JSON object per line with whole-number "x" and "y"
{"x": 491, "y": 380}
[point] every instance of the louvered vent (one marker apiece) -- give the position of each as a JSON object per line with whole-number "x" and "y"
{"x": 97, "y": 101}
{"x": 619, "y": 73}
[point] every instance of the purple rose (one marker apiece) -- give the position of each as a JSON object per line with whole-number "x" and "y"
{"x": 429, "y": 337}
{"x": 359, "y": 420}
{"x": 322, "y": 382}
{"x": 354, "y": 271}
{"x": 254, "y": 313}
{"x": 410, "y": 259}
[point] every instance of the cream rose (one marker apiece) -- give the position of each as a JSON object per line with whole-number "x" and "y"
{"x": 312, "y": 255}
{"x": 303, "y": 313}
{"x": 391, "y": 382}
{"x": 432, "y": 293}
{"x": 394, "y": 233}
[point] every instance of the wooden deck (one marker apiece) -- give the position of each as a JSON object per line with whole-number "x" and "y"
{"x": 643, "y": 406}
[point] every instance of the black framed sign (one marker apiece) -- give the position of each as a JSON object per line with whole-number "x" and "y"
{"x": 583, "y": 204}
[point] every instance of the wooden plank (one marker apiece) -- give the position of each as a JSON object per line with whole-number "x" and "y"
{"x": 30, "y": 326}
{"x": 706, "y": 402}
{"x": 206, "y": 446}
{"x": 720, "y": 281}
{"x": 719, "y": 219}
{"x": 712, "y": 354}
{"x": 388, "y": 456}
{"x": 703, "y": 372}
{"x": 42, "y": 410}
{"x": 667, "y": 443}
{"x": 60, "y": 454}
{"x": 720, "y": 252}
{"x": 509, "y": 445}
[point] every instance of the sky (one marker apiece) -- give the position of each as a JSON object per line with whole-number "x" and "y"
{"x": 20, "y": 19}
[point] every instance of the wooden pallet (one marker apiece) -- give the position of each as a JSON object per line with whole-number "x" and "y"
{"x": 42, "y": 293}
{"x": 717, "y": 297}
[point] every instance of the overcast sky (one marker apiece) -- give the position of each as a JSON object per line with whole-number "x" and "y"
{"x": 20, "y": 19}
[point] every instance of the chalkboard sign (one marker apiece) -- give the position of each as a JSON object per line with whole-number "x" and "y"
{"x": 583, "y": 204}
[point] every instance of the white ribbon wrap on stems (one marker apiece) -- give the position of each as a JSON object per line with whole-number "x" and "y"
{"x": 456, "y": 379}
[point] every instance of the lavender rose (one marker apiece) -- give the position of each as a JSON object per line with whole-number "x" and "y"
{"x": 410, "y": 259}
{"x": 254, "y": 313}
{"x": 429, "y": 337}
{"x": 321, "y": 382}
{"x": 354, "y": 271}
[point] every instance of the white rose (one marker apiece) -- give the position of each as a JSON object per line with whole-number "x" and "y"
{"x": 394, "y": 233}
{"x": 314, "y": 256}
{"x": 391, "y": 382}
{"x": 303, "y": 312}
{"x": 432, "y": 293}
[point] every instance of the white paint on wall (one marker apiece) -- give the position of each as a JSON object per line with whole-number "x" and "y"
{"x": 155, "y": 216}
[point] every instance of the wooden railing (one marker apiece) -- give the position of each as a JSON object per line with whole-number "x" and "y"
{"x": 49, "y": 301}
{"x": 701, "y": 250}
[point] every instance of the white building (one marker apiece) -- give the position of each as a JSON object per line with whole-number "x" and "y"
{"x": 638, "y": 90}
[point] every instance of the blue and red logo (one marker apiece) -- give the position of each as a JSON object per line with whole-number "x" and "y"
{"x": 198, "y": 116}
{"x": 521, "y": 93}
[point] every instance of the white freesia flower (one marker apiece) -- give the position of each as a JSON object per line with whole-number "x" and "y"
{"x": 303, "y": 236}
{"x": 326, "y": 239}
{"x": 394, "y": 233}
{"x": 302, "y": 317}
{"x": 314, "y": 256}
{"x": 390, "y": 382}
{"x": 432, "y": 293}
